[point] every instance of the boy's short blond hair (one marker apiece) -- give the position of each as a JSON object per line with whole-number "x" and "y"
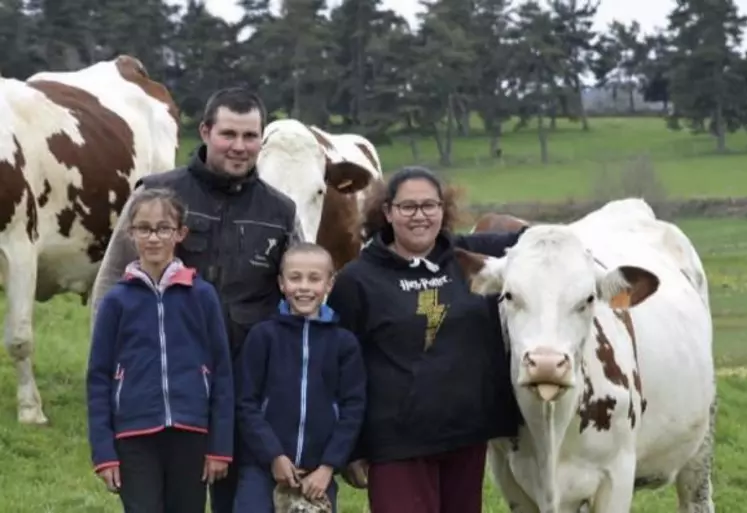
{"x": 308, "y": 248}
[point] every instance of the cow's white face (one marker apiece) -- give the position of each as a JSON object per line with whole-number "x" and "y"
{"x": 294, "y": 161}
{"x": 551, "y": 287}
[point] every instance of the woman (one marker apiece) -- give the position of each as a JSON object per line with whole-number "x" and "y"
{"x": 438, "y": 385}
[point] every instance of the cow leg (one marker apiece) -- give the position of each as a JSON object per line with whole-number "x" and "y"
{"x": 694, "y": 487}
{"x": 516, "y": 498}
{"x": 20, "y": 272}
{"x": 615, "y": 495}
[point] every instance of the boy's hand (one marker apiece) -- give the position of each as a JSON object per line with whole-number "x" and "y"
{"x": 110, "y": 476}
{"x": 214, "y": 470}
{"x": 284, "y": 472}
{"x": 315, "y": 485}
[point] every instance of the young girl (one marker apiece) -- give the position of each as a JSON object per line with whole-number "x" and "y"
{"x": 159, "y": 383}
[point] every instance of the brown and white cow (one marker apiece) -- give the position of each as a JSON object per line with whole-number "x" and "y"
{"x": 327, "y": 176}
{"x": 609, "y": 329}
{"x": 72, "y": 144}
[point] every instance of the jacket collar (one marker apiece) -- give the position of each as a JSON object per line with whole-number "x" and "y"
{"x": 326, "y": 314}
{"x": 174, "y": 274}
{"x": 221, "y": 181}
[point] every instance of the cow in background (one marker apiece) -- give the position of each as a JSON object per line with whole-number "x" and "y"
{"x": 72, "y": 145}
{"x": 327, "y": 176}
{"x": 609, "y": 330}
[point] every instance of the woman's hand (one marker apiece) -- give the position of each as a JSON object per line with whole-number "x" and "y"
{"x": 356, "y": 474}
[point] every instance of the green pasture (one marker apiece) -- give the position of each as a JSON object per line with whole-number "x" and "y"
{"x": 48, "y": 469}
{"x": 685, "y": 164}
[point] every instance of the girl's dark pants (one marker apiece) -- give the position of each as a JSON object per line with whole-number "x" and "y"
{"x": 443, "y": 483}
{"x": 162, "y": 472}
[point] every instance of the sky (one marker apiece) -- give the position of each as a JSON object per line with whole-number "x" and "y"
{"x": 649, "y": 13}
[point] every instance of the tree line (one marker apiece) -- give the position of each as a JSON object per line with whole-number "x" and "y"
{"x": 363, "y": 68}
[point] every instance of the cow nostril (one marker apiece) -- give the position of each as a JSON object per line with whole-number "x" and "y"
{"x": 564, "y": 362}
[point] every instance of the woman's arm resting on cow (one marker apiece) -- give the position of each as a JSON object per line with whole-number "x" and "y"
{"x": 492, "y": 244}
{"x": 119, "y": 253}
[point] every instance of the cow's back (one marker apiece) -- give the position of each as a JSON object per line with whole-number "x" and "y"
{"x": 672, "y": 331}
{"x": 86, "y": 136}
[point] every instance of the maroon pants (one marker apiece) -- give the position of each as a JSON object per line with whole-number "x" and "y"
{"x": 449, "y": 482}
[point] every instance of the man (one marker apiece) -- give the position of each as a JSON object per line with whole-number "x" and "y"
{"x": 239, "y": 227}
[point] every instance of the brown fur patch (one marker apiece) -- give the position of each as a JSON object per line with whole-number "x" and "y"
{"x": 606, "y": 355}
{"x": 364, "y": 149}
{"x": 340, "y": 227}
{"x": 491, "y": 222}
{"x": 13, "y": 184}
{"x": 134, "y": 71}
{"x": 596, "y": 412}
{"x": 104, "y": 162}
{"x": 627, "y": 320}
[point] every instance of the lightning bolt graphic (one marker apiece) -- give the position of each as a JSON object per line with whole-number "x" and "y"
{"x": 434, "y": 313}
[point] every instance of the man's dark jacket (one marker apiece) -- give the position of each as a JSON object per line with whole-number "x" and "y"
{"x": 239, "y": 228}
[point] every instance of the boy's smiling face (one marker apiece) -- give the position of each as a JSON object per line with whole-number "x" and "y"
{"x": 305, "y": 280}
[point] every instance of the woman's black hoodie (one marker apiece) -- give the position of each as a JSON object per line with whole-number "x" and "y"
{"x": 438, "y": 376}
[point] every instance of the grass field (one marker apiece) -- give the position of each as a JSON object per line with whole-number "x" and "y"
{"x": 684, "y": 163}
{"x": 48, "y": 470}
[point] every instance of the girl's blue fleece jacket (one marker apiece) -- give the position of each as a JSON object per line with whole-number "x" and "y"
{"x": 159, "y": 358}
{"x": 302, "y": 387}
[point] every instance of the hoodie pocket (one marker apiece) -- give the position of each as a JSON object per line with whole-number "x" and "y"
{"x": 206, "y": 380}
{"x": 119, "y": 376}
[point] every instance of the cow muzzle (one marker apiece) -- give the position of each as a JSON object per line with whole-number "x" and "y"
{"x": 547, "y": 372}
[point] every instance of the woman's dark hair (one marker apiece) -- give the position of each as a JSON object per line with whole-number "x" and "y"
{"x": 166, "y": 196}
{"x": 382, "y": 195}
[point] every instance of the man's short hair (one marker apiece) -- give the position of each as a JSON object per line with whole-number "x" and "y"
{"x": 235, "y": 99}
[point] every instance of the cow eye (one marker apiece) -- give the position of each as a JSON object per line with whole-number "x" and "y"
{"x": 590, "y": 299}
{"x": 508, "y": 296}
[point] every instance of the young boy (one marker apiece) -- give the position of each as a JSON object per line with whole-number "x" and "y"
{"x": 301, "y": 390}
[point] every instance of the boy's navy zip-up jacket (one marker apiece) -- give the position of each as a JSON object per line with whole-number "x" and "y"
{"x": 301, "y": 391}
{"x": 159, "y": 359}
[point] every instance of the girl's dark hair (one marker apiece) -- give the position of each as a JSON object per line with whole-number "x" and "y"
{"x": 382, "y": 195}
{"x": 165, "y": 196}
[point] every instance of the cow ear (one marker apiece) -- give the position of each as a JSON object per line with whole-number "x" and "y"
{"x": 343, "y": 172}
{"x": 347, "y": 177}
{"x": 484, "y": 273}
{"x": 626, "y": 286}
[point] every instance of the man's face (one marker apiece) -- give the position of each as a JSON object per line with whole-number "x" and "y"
{"x": 233, "y": 142}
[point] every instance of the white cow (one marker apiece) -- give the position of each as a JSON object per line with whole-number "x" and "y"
{"x": 72, "y": 144}
{"x": 328, "y": 176}
{"x": 609, "y": 330}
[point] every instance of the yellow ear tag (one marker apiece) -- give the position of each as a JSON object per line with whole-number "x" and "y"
{"x": 621, "y": 301}
{"x": 345, "y": 185}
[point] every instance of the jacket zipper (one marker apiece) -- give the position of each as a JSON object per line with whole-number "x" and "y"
{"x": 164, "y": 361}
{"x": 304, "y": 387}
{"x": 120, "y": 376}
{"x": 205, "y": 373}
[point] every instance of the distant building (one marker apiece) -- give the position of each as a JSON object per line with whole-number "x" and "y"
{"x": 616, "y": 99}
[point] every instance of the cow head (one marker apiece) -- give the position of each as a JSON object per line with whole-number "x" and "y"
{"x": 302, "y": 162}
{"x": 550, "y": 287}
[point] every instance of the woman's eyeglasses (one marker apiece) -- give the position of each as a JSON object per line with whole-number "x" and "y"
{"x": 409, "y": 208}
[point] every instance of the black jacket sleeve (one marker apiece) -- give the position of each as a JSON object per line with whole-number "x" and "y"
{"x": 348, "y": 301}
{"x": 492, "y": 244}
